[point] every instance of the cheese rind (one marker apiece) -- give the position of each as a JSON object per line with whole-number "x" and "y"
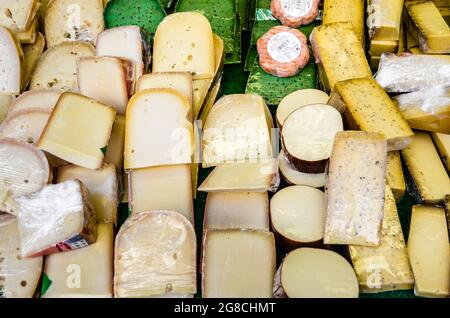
{"x": 394, "y": 175}
{"x": 295, "y": 177}
{"x": 26, "y": 126}
{"x": 442, "y": 143}
{"x": 384, "y": 19}
{"x": 10, "y": 63}
{"x": 36, "y": 99}
{"x": 345, "y": 11}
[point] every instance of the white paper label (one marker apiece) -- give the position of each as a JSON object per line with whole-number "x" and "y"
{"x": 284, "y": 47}
{"x": 297, "y": 8}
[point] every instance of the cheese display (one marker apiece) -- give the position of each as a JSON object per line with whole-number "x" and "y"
{"x": 295, "y": 177}
{"x": 31, "y": 55}
{"x": 429, "y": 254}
{"x": 442, "y": 143}
{"x": 155, "y": 256}
{"x": 83, "y": 273}
{"x": 384, "y": 19}
{"x": 428, "y": 173}
{"x": 394, "y": 175}
{"x": 26, "y": 126}
{"x": 355, "y": 189}
{"x": 345, "y": 11}
{"x": 114, "y": 150}
{"x": 18, "y": 15}
{"x": 11, "y": 63}
{"x": 73, "y": 116}
{"x": 36, "y": 99}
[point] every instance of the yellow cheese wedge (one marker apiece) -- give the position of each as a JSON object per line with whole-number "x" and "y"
{"x": 379, "y": 47}
{"x": 345, "y": 11}
{"x": 394, "y": 175}
{"x": 18, "y": 15}
{"x": 442, "y": 143}
{"x": 384, "y": 19}
{"x": 114, "y": 152}
{"x": 32, "y": 53}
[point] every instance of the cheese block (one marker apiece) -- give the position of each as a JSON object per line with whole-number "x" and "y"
{"x": 394, "y": 175}
{"x": 155, "y": 256}
{"x": 17, "y": 15}
{"x": 442, "y": 143}
{"x": 96, "y": 76}
{"x": 57, "y": 67}
{"x": 158, "y": 119}
{"x": 114, "y": 151}
{"x": 427, "y": 109}
{"x": 355, "y": 189}
{"x": 5, "y": 101}
{"x": 370, "y": 109}
{"x": 25, "y": 126}
{"x": 57, "y": 218}
{"x": 427, "y": 171}
{"x": 345, "y": 11}
{"x": 384, "y": 19}
{"x": 237, "y": 210}
{"x": 73, "y": 20}
{"x": 19, "y": 277}
{"x": 23, "y": 170}
{"x": 429, "y": 254}
{"x": 37, "y": 99}
{"x": 184, "y": 43}
{"x": 83, "y": 273}
{"x": 10, "y": 63}
{"x": 78, "y": 130}
{"x": 385, "y": 267}
{"x": 338, "y": 42}
{"x": 238, "y": 264}
{"x": 29, "y": 36}
{"x": 236, "y": 130}
{"x": 161, "y": 188}
{"x": 32, "y": 53}
{"x": 295, "y": 177}
{"x": 102, "y": 185}
{"x": 379, "y": 47}
{"x": 248, "y": 177}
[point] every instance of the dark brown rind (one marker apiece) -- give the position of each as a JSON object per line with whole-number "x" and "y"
{"x": 302, "y": 165}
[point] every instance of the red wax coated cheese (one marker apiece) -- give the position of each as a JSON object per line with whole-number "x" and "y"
{"x": 294, "y": 13}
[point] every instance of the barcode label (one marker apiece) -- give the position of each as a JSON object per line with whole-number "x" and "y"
{"x": 284, "y": 47}
{"x": 297, "y": 8}
{"x": 71, "y": 244}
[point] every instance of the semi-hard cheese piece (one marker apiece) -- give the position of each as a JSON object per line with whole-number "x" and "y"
{"x": 370, "y": 109}
{"x": 83, "y": 273}
{"x": 155, "y": 256}
{"x": 19, "y": 276}
{"x": 102, "y": 185}
{"x": 429, "y": 254}
{"x": 385, "y": 267}
{"x": 384, "y": 19}
{"x": 17, "y": 15}
{"x": 394, "y": 175}
{"x": 442, "y": 143}
{"x": 238, "y": 264}
{"x": 295, "y": 177}
{"x": 355, "y": 189}
{"x": 184, "y": 43}
{"x": 428, "y": 173}
{"x": 25, "y": 126}
{"x": 57, "y": 68}
{"x": 345, "y": 11}
{"x": 158, "y": 129}
{"x": 114, "y": 152}
{"x": 57, "y": 218}
{"x": 73, "y": 20}
{"x": 379, "y": 47}
{"x": 36, "y": 99}
{"x": 32, "y": 53}
{"x": 337, "y": 42}
{"x": 163, "y": 188}
{"x": 237, "y": 210}
{"x": 10, "y": 63}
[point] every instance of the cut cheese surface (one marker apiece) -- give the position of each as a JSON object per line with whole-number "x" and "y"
{"x": 345, "y": 11}
{"x": 426, "y": 169}
{"x": 78, "y": 130}
{"x": 429, "y": 254}
{"x": 10, "y": 64}
{"x": 355, "y": 189}
{"x": 26, "y": 126}
{"x": 155, "y": 255}
{"x": 442, "y": 143}
{"x": 114, "y": 152}
{"x": 238, "y": 264}
{"x": 384, "y": 19}
{"x": 296, "y": 177}
{"x": 17, "y": 15}
{"x": 32, "y": 53}
{"x": 379, "y": 47}
{"x": 394, "y": 175}
{"x": 83, "y": 273}
{"x": 36, "y": 99}
{"x": 237, "y": 210}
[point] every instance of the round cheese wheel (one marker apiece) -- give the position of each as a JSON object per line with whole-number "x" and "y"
{"x": 294, "y": 177}
{"x": 294, "y": 13}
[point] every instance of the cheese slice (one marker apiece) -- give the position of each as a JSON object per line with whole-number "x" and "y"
{"x": 102, "y": 185}
{"x": 430, "y": 178}
{"x": 237, "y": 210}
{"x": 155, "y": 256}
{"x": 32, "y": 54}
{"x": 29, "y": 36}
{"x": 345, "y": 11}
{"x": 161, "y": 188}
{"x": 19, "y": 277}
{"x": 394, "y": 175}
{"x": 83, "y": 273}
{"x": 57, "y": 67}
{"x": 370, "y": 109}
{"x": 114, "y": 151}
{"x": 184, "y": 43}
{"x": 295, "y": 177}
{"x": 73, "y": 20}
{"x": 10, "y": 64}
{"x": 78, "y": 130}
{"x": 57, "y": 218}
{"x": 385, "y": 267}
{"x": 384, "y": 19}
{"x": 238, "y": 264}
{"x": 17, "y": 15}
{"x": 5, "y": 101}
{"x": 379, "y": 47}
{"x": 26, "y": 126}
{"x": 442, "y": 143}
{"x": 37, "y": 99}
{"x": 355, "y": 189}
{"x": 429, "y": 254}
{"x": 158, "y": 119}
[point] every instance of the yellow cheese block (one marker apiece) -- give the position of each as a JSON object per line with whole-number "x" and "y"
{"x": 32, "y": 54}
{"x": 379, "y": 47}
{"x": 114, "y": 152}
{"x": 384, "y": 19}
{"x": 426, "y": 169}
{"x": 345, "y": 11}
{"x": 394, "y": 175}
{"x": 442, "y": 143}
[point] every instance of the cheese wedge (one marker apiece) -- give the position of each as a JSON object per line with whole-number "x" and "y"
{"x": 29, "y": 36}
{"x": 237, "y": 210}
{"x": 17, "y": 15}
{"x": 57, "y": 67}
{"x": 379, "y": 47}
{"x": 442, "y": 143}
{"x": 154, "y": 188}
{"x": 184, "y": 43}
{"x": 5, "y": 101}
{"x": 26, "y": 126}
{"x": 238, "y": 264}
{"x": 384, "y": 19}
{"x": 73, "y": 20}
{"x": 102, "y": 185}
{"x": 83, "y": 273}
{"x": 32, "y": 54}
{"x": 394, "y": 175}
{"x": 345, "y": 11}
{"x": 19, "y": 277}
{"x": 78, "y": 130}
{"x": 158, "y": 250}
{"x": 370, "y": 109}
{"x": 429, "y": 254}
{"x": 158, "y": 119}
{"x": 385, "y": 267}
{"x": 114, "y": 152}
{"x": 10, "y": 64}
{"x": 427, "y": 171}
{"x": 355, "y": 189}
{"x": 38, "y": 99}
{"x": 295, "y": 177}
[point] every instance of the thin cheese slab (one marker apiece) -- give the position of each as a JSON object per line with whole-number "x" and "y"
{"x": 114, "y": 151}
{"x": 442, "y": 143}
{"x": 394, "y": 175}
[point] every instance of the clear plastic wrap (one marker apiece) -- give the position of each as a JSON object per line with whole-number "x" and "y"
{"x": 294, "y": 13}
{"x": 58, "y": 218}
{"x": 155, "y": 256}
